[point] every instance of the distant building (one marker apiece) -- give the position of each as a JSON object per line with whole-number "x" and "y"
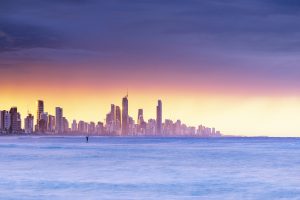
{"x": 131, "y": 126}
{"x": 125, "y": 115}
{"x": 100, "y": 128}
{"x": 168, "y": 127}
{"x": 14, "y": 120}
{"x": 58, "y": 120}
{"x": 159, "y": 117}
{"x": 141, "y": 124}
{"x": 28, "y": 124}
{"x": 113, "y": 112}
{"x": 51, "y": 124}
{"x": 177, "y": 128}
{"x": 92, "y": 128}
{"x": 140, "y": 117}
{"x": 4, "y": 121}
{"x": 40, "y": 109}
{"x": 118, "y": 120}
{"x": 111, "y": 120}
{"x": 43, "y": 122}
{"x": 151, "y": 127}
{"x": 74, "y": 126}
{"x": 19, "y": 122}
{"x": 81, "y": 127}
{"x": 1, "y": 121}
{"x": 65, "y": 125}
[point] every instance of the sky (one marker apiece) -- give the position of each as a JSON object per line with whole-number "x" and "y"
{"x": 233, "y": 65}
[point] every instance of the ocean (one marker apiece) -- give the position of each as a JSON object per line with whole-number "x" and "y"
{"x": 149, "y": 168}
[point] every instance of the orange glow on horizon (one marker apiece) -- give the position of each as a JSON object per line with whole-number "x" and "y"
{"x": 232, "y": 108}
{"x": 234, "y": 115}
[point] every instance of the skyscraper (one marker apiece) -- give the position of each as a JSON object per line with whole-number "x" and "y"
{"x": 141, "y": 124}
{"x": 19, "y": 122}
{"x": 159, "y": 118}
{"x": 14, "y": 120}
{"x": 99, "y": 128}
{"x": 1, "y": 121}
{"x": 65, "y": 125}
{"x": 111, "y": 120}
{"x": 118, "y": 120}
{"x": 81, "y": 128}
{"x": 125, "y": 115}
{"x": 51, "y": 123}
{"x": 40, "y": 109}
{"x": 140, "y": 118}
{"x": 74, "y": 126}
{"x": 43, "y": 122}
{"x": 91, "y": 128}
{"x": 28, "y": 123}
{"x": 5, "y": 121}
{"x": 58, "y": 120}
{"x": 113, "y": 112}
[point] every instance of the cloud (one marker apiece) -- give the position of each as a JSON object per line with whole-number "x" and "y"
{"x": 173, "y": 32}
{"x": 257, "y": 25}
{"x": 17, "y": 36}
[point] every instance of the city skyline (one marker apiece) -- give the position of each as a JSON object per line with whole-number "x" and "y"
{"x": 118, "y": 122}
{"x": 233, "y": 65}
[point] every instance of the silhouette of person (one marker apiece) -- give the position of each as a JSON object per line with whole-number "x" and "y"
{"x": 87, "y": 139}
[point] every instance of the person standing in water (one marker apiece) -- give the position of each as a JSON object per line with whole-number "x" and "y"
{"x": 87, "y": 139}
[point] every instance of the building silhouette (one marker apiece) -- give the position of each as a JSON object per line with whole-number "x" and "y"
{"x": 140, "y": 117}
{"x": 51, "y": 123}
{"x": 40, "y": 110}
{"x": 65, "y": 125}
{"x": 14, "y": 120}
{"x": 118, "y": 120}
{"x": 159, "y": 117}
{"x": 74, "y": 126}
{"x": 28, "y": 123}
{"x": 4, "y": 121}
{"x": 125, "y": 115}
{"x": 59, "y": 120}
{"x": 141, "y": 124}
{"x": 43, "y": 122}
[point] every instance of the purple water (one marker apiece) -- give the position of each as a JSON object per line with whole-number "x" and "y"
{"x": 149, "y": 168}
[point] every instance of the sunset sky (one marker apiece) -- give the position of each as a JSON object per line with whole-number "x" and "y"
{"x": 233, "y": 65}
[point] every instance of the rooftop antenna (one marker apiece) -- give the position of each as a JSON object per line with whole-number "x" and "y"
{"x": 127, "y": 93}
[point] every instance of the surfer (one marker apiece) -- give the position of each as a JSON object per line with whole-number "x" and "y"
{"x": 87, "y": 139}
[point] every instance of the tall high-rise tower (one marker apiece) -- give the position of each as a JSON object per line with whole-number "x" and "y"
{"x": 159, "y": 117}
{"x": 125, "y": 115}
{"x": 5, "y": 121}
{"x": 140, "y": 118}
{"x": 58, "y": 120}
{"x": 14, "y": 125}
{"x": 113, "y": 112}
{"x": 40, "y": 109}
{"x": 28, "y": 123}
{"x": 118, "y": 119}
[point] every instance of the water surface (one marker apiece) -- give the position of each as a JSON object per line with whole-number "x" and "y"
{"x": 149, "y": 168}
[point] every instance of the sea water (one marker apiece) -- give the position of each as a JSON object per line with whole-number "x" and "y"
{"x": 149, "y": 168}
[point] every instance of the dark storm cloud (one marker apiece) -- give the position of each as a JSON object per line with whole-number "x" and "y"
{"x": 18, "y": 31}
{"x": 18, "y": 36}
{"x": 236, "y": 24}
{"x": 205, "y": 35}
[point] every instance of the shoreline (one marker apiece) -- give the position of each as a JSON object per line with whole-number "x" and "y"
{"x": 137, "y": 136}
